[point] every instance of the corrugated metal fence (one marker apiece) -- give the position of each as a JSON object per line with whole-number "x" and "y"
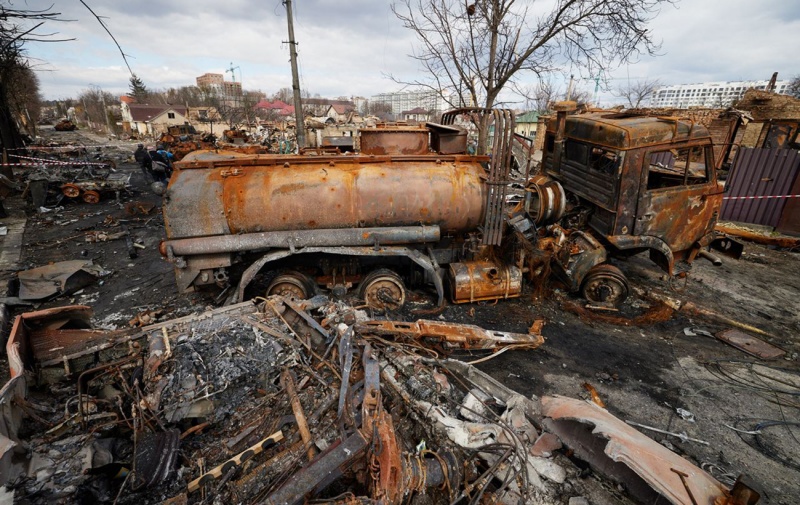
{"x": 760, "y": 184}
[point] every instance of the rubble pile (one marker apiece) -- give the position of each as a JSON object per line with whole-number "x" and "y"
{"x": 282, "y": 402}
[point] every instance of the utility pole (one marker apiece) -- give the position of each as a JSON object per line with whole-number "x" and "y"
{"x": 300, "y": 126}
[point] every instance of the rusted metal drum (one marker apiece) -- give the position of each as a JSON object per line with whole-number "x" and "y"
{"x": 220, "y": 194}
{"x": 394, "y": 140}
{"x": 472, "y": 281}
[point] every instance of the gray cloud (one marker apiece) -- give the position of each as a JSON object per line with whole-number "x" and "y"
{"x": 346, "y": 48}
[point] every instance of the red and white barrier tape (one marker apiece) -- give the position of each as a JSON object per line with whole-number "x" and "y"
{"x": 45, "y": 161}
{"x": 758, "y": 197}
{"x": 20, "y": 164}
{"x": 67, "y": 148}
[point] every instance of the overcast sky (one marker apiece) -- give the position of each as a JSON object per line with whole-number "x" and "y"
{"x": 347, "y": 47}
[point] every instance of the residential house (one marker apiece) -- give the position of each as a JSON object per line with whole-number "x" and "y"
{"x": 339, "y": 112}
{"x": 278, "y": 108}
{"x": 319, "y": 106}
{"x": 204, "y": 118}
{"x": 416, "y": 114}
{"x": 526, "y": 124}
{"x": 153, "y": 120}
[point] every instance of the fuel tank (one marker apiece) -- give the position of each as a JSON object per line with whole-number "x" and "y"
{"x": 220, "y": 193}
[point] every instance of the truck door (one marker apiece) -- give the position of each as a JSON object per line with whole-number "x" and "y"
{"x": 679, "y": 198}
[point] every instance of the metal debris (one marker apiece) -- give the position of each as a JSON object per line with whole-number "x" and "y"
{"x": 282, "y": 402}
{"x": 750, "y": 344}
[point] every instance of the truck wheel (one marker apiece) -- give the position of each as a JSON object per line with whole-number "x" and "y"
{"x": 605, "y": 284}
{"x": 91, "y": 197}
{"x": 291, "y": 283}
{"x": 383, "y": 290}
{"x": 71, "y": 190}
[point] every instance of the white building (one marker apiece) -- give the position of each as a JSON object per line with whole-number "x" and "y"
{"x": 408, "y": 100}
{"x": 708, "y": 94}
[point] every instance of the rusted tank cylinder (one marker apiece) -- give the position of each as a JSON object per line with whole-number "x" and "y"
{"x": 236, "y": 195}
{"x": 472, "y": 281}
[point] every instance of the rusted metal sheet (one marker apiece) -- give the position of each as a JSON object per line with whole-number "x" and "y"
{"x": 473, "y": 281}
{"x": 626, "y": 131}
{"x": 451, "y": 335}
{"x": 679, "y": 217}
{"x": 790, "y": 217}
{"x": 760, "y": 184}
{"x": 388, "y": 139}
{"x": 447, "y": 139}
{"x": 56, "y": 336}
{"x": 21, "y": 343}
{"x": 623, "y": 453}
{"x": 321, "y": 192}
{"x": 750, "y": 344}
{"x": 723, "y": 132}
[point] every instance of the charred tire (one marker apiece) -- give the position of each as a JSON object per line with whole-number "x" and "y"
{"x": 605, "y": 284}
{"x": 91, "y": 197}
{"x": 291, "y": 283}
{"x": 71, "y": 190}
{"x": 383, "y": 290}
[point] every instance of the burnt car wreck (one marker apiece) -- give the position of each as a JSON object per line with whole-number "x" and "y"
{"x": 408, "y": 211}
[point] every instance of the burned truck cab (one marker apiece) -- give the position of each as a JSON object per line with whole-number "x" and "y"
{"x": 638, "y": 183}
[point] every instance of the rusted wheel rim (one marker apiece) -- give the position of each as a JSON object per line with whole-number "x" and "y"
{"x": 384, "y": 290}
{"x": 292, "y": 284}
{"x": 91, "y": 197}
{"x": 71, "y": 190}
{"x": 605, "y": 284}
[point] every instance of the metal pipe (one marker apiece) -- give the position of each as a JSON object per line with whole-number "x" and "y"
{"x": 301, "y": 238}
{"x": 713, "y": 258}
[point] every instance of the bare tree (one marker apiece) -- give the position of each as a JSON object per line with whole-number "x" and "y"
{"x": 94, "y": 102}
{"x": 636, "y": 92}
{"x": 24, "y": 98}
{"x": 539, "y": 97}
{"x": 474, "y": 51}
{"x": 544, "y": 94}
{"x": 17, "y": 27}
{"x": 793, "y": 88}
{"x": 380, "y": 110}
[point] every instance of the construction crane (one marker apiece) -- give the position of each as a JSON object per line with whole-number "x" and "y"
{"x": 232, "y": 71}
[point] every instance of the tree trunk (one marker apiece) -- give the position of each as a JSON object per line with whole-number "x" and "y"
{"x": 10, "y": 137}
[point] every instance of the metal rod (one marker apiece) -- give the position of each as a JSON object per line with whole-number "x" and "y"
{"x": 297, "y": 408}
{"x": 302, "y": 238}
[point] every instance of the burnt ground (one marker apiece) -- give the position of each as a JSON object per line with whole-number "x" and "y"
{"x": 643, "y": 372}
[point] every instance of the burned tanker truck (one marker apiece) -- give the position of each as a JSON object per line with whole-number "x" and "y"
{"x": 412, "y": 208}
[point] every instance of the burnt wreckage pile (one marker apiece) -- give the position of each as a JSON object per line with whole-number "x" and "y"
{"x": 289, "y": 401}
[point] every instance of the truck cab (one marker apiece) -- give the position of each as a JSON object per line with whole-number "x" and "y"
{"x": 638, "y": 182}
